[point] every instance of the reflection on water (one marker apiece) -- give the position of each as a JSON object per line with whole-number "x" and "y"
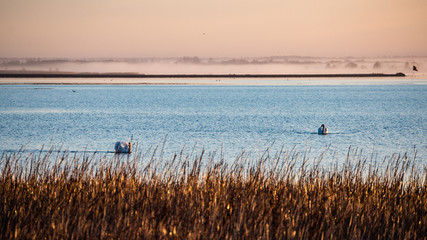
{"x": 378, "y": 120}
{"x": 38, "y": 111}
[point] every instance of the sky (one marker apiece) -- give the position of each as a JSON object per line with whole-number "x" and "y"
{"x": 212, "y": 28}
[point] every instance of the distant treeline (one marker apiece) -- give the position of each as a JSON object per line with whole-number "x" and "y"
{"x": 24, "y": 74}
{"x": 179, "y": 60}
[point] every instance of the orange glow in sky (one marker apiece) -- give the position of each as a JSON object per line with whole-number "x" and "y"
{"x": 212, "y": 28}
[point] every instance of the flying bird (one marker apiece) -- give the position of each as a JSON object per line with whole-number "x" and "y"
{"x": 414, "y": 68}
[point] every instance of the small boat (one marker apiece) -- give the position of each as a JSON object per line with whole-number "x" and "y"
{"x": 123, "y": 147}
{"x": 322, "y": 130}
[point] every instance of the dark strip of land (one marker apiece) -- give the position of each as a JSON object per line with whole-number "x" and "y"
{"x": 136, "y": 75}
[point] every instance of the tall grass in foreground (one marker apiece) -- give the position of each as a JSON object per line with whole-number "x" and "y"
{"x": 61, "y": 195}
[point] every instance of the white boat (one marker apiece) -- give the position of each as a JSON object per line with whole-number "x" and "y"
{"x": 123, "y": 147}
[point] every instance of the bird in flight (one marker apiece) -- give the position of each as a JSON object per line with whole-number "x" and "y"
{"x": 414, "y": 68}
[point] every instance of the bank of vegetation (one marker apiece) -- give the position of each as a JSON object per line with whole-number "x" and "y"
{"x": 57, "y": 195}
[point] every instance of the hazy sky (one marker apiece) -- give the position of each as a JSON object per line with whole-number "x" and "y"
{"x": 217, "y": 28}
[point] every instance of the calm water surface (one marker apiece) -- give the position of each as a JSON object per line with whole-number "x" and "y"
{"x": 380, "y": 120}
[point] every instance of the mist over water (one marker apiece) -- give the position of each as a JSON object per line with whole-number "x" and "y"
{"x": 189, "y": 65}
{"x": 379, "y": 120}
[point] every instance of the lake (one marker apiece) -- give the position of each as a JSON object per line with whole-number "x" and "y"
{"x": 379, "y": 120}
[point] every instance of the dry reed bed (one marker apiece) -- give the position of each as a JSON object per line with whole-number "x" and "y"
{"x": 285, "y": 196}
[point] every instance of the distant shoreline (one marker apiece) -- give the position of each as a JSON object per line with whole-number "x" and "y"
{"x": 34, "y": 77}
{"x": 13, "y": 74}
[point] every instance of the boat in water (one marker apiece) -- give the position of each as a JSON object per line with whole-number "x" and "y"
{"x": 322, "y": 130}
{"x": 123, "y": 147}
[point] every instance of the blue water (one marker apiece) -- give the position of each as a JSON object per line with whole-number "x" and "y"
{"x": 380, "y": 120}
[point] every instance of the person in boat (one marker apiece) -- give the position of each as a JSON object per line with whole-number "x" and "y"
{"x": 322, "y": 130}
{"x": 123, "y": 147}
